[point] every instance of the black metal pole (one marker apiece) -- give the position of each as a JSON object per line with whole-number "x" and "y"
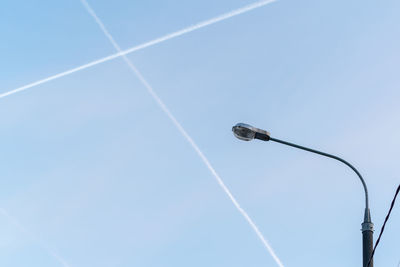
{"x": 367, "y": 226}
{"x": 368, "y": 239}
{"x": 368, "y": 247}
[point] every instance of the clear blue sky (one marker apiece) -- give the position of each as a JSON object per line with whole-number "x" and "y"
{"x": 97, "y": 174}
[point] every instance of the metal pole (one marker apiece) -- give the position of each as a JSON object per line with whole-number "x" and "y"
{"x": 367, "y": 227}
{"x": 368, "y": 239}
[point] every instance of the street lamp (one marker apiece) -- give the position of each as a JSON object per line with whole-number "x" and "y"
{"x": 247, "y": 132}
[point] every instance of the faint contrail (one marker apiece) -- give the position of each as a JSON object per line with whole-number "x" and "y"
{"x": 183, "y": 131}
{"x": 142, "y": 46}
{"x": 199, "y": 25}
{"x": 26, "y": 231}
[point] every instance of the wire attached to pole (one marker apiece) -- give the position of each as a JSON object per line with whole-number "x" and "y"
{"x": 384, "y": 224}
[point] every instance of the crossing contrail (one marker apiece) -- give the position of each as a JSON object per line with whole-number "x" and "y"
{"x": 27, "y": 232}
{"x": 142, "y": 46}
{"x": 180, "y": 127}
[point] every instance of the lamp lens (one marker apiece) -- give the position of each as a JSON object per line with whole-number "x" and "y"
{"x": 243, "y": 133}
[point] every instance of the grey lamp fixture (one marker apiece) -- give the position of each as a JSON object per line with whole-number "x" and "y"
{"x": 247, "y": 132}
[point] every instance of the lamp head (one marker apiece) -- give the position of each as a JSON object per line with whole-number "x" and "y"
{"x": 247, "y": 132}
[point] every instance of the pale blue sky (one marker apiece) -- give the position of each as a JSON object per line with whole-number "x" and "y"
{"x": 96, "y": 172}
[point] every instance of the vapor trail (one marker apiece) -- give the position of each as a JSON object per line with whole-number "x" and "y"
{"x": 17, "y": 223}
{"x": 180, "y": 127}
{"x": 200, "y": 25}
{"x": 142, "y": 46}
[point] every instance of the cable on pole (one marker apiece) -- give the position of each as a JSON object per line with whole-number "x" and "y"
{"x": 384, "y": 224}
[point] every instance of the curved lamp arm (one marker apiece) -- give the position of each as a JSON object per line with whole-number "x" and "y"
{"x": 367, "y": 227}
{"x": 332, "y": 157}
